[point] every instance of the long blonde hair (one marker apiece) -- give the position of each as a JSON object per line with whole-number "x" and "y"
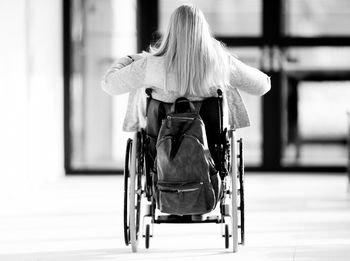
{"x": 189, "y": 51}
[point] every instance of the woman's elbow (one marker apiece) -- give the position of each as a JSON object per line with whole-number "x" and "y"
{"x": 266, "y": 86}
{"x": 105, "y": 86}
{"x": 113, "y": 85}
{"x": 106, "y": 83}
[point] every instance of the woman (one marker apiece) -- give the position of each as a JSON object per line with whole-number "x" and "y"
{"x": 187, "y": 62}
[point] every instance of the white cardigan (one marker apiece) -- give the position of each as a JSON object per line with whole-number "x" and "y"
{"x": 127, "y": 75}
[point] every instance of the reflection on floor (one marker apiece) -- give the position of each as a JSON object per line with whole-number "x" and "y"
{"x": 289, "y": 217}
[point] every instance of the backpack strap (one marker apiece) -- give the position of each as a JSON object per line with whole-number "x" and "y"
{"x": 219, "y": 92}
{"x": 148, "y": 91}
{"x": 181, "y": 105}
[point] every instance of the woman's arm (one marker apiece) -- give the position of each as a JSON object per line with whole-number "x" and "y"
{"x": 125, "y": 75}
{"x": 248, "y": 79}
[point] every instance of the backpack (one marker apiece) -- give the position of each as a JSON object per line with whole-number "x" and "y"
{"x": 187, "y": 181}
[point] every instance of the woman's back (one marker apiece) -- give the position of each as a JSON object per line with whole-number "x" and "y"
{"x": 187, "y": 62}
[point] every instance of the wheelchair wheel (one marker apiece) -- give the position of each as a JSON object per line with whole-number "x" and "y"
{"x": 147, "y": 236}
{"x": 241, "y": 189}
{"x": 227, "y": 236}
{"x": 126, "y": 192}
{"x": 135, "y": 190}
{"x": 234, "y": 176}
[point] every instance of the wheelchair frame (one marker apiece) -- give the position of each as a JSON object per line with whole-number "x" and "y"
{"x": 137, "y": 188}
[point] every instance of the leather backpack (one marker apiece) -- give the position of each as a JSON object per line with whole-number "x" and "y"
{"x": 187, "y": 181}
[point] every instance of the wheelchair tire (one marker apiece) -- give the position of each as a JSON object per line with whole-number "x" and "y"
{"x": 227, "y": 237}
{"x": 135, "y": 191}
{"x": 126, "y": 192}
{"x": 147, "y": 236}
{"x": 241, "y": 191}
{"x": 234, "y": 191}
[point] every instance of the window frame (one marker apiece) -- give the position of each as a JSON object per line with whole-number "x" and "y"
{"x": 272, "y": 105}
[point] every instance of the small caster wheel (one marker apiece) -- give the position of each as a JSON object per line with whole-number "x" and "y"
{"x": 147, "y": 236}
{"x": 227, "y": 237}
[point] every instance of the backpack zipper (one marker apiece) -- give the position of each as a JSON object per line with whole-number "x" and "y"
{"x": 186, "y": 190}
{"x": 180, "y": 118}
{"x": 180, "y": 190}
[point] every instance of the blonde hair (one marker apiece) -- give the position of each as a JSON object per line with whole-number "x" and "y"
{"x": 189, "y": 51}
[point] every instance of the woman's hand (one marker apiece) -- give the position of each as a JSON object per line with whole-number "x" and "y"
{"x": 137, "y": 56}
{"x": 126, "y": 60}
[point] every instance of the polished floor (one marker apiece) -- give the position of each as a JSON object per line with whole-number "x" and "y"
{"x": 289, "y": 217}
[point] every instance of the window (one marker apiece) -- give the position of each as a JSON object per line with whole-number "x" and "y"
{"x": 225, "y": 17}
{"x": 317, "y": 17}
{"x": 319, "y": 91}
{"x": 99, "y": 35}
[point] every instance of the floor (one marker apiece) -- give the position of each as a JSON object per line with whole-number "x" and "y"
{"x": 288, "y": 217}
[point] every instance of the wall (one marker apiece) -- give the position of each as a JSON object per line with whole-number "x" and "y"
{"x": 31, "y": 136}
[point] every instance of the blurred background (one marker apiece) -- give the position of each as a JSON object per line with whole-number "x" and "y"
{"x": 56, "y": 120}
{"x": 60, "y": 134}
{"x": 303, "y": 45}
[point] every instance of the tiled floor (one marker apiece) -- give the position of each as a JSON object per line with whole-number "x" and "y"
{"x": 289, "y": 217}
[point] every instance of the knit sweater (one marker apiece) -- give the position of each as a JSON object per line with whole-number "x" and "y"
{"x": 134, "y": 74}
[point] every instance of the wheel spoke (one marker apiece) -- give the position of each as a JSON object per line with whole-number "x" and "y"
{"x": 136, "y": 172}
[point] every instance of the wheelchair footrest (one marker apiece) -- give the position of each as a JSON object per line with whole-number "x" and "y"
{"x": 186, "y": 219}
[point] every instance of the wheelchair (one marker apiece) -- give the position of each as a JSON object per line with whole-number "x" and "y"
{"x": 139, "y": 188}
